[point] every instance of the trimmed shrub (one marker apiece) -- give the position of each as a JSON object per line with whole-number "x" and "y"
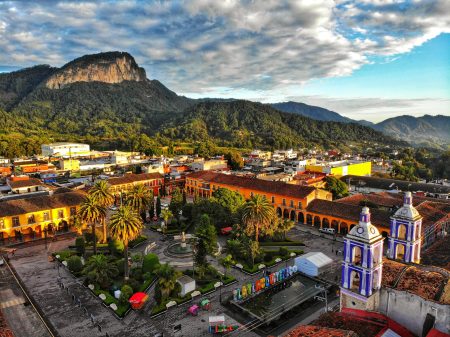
{"x": 283, "y": 252}
{"x": 150, "y": 263}
{"x": 136, "y": 273}
{"x": 80, "y": 245}
{"x": 126, "y": 293}
{"x": 135, "y": 285}
{"x": 74, "y": 264}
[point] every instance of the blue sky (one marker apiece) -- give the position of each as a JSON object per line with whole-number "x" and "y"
{"x": 366, "y": 59}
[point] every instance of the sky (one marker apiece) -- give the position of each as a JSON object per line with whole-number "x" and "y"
{"x": 365, "y": 59}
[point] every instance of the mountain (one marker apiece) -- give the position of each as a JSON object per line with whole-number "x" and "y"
{"x": 106, "y": 100}
{"x": 424, "y": 131}
{"x": 248, "y": 124}
{"x": 111, "y": 67}
{"x": 311, "y": 111}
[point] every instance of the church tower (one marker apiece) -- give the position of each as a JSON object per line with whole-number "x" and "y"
{"x": 362, "y": 265}
{"x": 405, "y": 238}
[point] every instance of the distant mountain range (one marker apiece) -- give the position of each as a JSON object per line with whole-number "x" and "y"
{"x": 424, "y": 131}
{"x": 108, "y": 97}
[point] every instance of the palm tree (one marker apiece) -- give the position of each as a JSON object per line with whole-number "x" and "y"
{"x": 92, "y": 213}
{"x": 167, "y": 278}
{"x": 139, "y": 198}
{"x": 101, "y": 192}
{"x": 257, "y": 215}
{"x": 100, "y": 270}
{"x": 166, "y": 214}
{"x": 125, "y": 225}
{"x": 285, "y": 226}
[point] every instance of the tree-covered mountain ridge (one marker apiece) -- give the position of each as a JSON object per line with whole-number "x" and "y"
{"x": 103, "y": 98}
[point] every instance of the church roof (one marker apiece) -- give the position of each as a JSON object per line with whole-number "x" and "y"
{"x": 407, "y": 211}
{"x": 364, "y": 230}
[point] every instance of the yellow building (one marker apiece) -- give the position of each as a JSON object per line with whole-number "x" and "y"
{"x": 342, "y": 168}
{"x": 25, "y": 219}
{"x": 69, "y": 164}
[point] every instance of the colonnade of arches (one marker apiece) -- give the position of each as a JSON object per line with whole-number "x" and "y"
{"x": 319, "y": 220}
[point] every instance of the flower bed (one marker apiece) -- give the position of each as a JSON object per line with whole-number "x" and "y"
{"x": 136, "y": 242}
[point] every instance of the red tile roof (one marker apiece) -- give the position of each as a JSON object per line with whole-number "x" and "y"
{"x": 24, "y": 183}
{"x": 264, "y": 186}
{"x": 319, "y": 331}
{"x": 349, "y": 212}
{"x": 340, "y": 320}
{"x": 22, "y": 206}
{"x": 131, "y": 178}
{"x": 425, "y": 283}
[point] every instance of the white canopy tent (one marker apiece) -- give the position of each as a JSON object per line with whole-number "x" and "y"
{"x": 313, "y": 263}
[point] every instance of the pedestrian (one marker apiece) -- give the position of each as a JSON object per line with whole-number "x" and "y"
{"x": 336, "y": 252}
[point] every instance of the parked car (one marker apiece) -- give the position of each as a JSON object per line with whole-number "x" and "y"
{"x": 331, "y": 231}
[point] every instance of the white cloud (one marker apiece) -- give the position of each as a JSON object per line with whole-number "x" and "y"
{"x": 195, "y": 45}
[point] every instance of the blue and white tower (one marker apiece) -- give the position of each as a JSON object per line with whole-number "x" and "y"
{"x": 405, "y": 238}
{"x": 362, "y": 265}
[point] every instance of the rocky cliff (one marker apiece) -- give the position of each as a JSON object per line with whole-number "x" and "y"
{"x": 111, "y": 67}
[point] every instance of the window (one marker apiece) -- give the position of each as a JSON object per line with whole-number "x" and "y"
{"x": 46, "y": 216}
{"x": 31, "y": 219}
{"x": 273, "y": 199}
{"x": 15, "y": 221}
{"x": 60, "y": 214}
{"x": 284, "y": 202}
{"x": 300, "y": 205}
{"x": 73, "y": 211}
{"x": 292, "y": 203}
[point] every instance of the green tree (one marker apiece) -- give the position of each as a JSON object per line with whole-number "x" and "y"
{"x": 125, "y": 225}
{"x": 227, "y": 262}
{"x": 80, "y": 245}
{"x": 166, "y": 214}
{"x": 230, "y": 200}
{"x": 158, "y": 206}
{"x": 253, "y": 250}
{"x": 337, "y": 187}
{"x": 139, "y": 198}
{"x": 101, "y": 192}
{"x": 234, "y": 160}
{"x": 167, "y": 278}
{"x": 257, "y": 214}
{"x": 285, "y": 226}
{"x": 206, "y": 232}
{"x": 176, "y": 202}
{"x": 125, "y": 293}
{"x": 150, "y": 263}
{"x": 92, "y": 213}
{"x": 99, "y": 270}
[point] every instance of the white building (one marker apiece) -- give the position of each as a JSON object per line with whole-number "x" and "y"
{"x": 207, "y": 165}
{"x": 65, "y": 149}
{"x": 286, "y": 154}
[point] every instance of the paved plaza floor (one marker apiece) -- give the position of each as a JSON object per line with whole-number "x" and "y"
{"x": 70, "y": 320}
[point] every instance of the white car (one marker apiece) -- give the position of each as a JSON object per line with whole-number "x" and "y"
{"x": 331, "y": 231}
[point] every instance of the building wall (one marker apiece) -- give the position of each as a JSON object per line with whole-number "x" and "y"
{"x": 357, "y": 169}
{"x": 65, "y": 149}
{"x": 8, "y": 229}
{"x": 70, "y": 165}
{"x": 153, "y": 184}
{"x": 397, "y": 305}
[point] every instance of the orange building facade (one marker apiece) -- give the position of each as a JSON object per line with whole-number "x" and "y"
{"x": 288, "y": 199}
{"x": 154, "y": 181}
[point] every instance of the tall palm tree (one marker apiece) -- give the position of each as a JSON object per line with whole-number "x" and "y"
{"x": 257, "y": 215}
{"x": 91, "y": 212}
{"x": 285, "y": 226}
{"x": 139, "y": 198}
{"x": 101, "y": 192}
{"x": 125, "y": 225}
{"x": 167, "y": 278}
{"x": 99, "y": 270}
